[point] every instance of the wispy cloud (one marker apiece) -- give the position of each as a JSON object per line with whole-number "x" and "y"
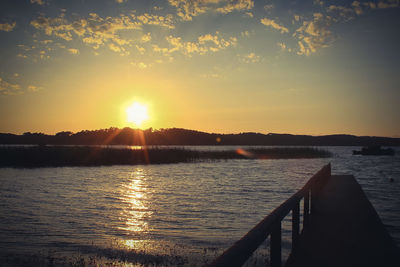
{"x": 342, "y": 13}
{"x": 73, "y": 51}
{"x": 388, "y": 4}
{"x": 272, "y": 23}
{"x": 269, "y": 6}
{"x": 187, "y": 9}
{"x": 7, "y": 88}
{"x": 146, "y": 38}
{"x": 7, "y": 27}
{"x": 12, "y": 86}
{"x": 282, "y": 46}
{"x": 348, "y": 12}
{"x": 250, "y": 58}
{"x": 314, "y": 34}
{"x": 141, "y": 65}
{"x": 236, "y": 5}
{"x": 39, "y": 2}
{"x": 33, "y": 88}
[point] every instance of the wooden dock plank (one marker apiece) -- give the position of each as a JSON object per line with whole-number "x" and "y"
{"x": 344, "y": 230}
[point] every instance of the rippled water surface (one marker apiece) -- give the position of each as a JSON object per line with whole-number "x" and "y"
{"x": 179, "y": 213}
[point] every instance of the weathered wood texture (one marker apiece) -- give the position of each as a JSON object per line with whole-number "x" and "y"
{"x": 344, "y": 230}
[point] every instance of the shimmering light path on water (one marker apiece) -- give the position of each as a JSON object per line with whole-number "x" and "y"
{"x": 168, "y": 209}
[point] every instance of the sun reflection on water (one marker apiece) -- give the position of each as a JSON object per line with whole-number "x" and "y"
{"x": 136, "y": 211}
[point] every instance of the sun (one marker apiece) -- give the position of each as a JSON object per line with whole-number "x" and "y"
{"x": 137, "y": 113}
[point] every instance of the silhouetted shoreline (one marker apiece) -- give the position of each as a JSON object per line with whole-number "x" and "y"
{"x": 58, "y": 156}
{"x": 184, "y": 137}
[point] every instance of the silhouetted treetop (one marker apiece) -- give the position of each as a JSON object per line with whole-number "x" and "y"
{"x": 179, "y": 136}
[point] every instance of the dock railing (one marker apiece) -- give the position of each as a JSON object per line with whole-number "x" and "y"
{"x": 242, "y": 250}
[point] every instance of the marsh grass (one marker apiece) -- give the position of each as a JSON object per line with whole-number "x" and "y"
{"x": 58, "y": 156}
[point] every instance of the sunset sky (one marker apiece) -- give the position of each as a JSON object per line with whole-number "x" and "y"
{"x": 226, "y": 66}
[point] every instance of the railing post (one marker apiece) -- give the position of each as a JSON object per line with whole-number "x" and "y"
{"x": 295, "y": 224}
{"x": 276, "y": 240}
{"x": 306, "y": 213}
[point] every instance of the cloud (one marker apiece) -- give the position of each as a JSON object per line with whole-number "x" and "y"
{"x": 273, "y": 24}
{"x": 187, "y": 9}
{"x": 33, "y": 88}
{"x": 382, "y": 4}
{"x": 211, "y": 75}
{"x": 342, "y": 13}
{"x": 207, "y": 43}
{"x": 42, "y": 55}
{"x": 387, "y": 4}
{"x": 7, "y": 88}
{"x": 141, "y": 65}
{"x": 269, "y": 7}
{"x": 282, "y": 46}
{"x": 146, "y": 38}
{"x": 73, "y": 51}
{"x": 114, "y": 47}
{"x": 318, "y": 2}
{"x": 357, "y": 7}
{"x": 7, "y": 27}
{"x": 314, "y": 34}
{"x": 245, "y": 34}
{"x": 96, "y": 31}
{"x": 346, "y": 13}
{"x": 162, "y": 21}
{"x": 236, "y": 5}
{"x": 14, "y": 88}
{"x": 54, "y": 26}
{"x": 250, "y": 58}
{"x": 39, "y": 2}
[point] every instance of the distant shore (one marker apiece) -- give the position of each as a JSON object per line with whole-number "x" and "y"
{"x": 59, "y": 156}
{"x": 184, "y": 137}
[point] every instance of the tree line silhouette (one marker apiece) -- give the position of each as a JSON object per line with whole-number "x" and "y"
{"x": 178, "y": 136}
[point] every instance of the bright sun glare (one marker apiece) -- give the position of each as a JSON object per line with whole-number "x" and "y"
{"x": 137, "y": 113}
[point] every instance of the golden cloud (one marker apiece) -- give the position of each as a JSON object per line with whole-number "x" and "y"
{"x": 7, "y": 27}
{"x": 204, "y": 44}
{"x": 314, "y": 34}
{"x": 274, "y": 25}
{"x": 187, "y": 9}
{"x": 97, "y": 31}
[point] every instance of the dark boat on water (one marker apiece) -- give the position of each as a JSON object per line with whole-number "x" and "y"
{"x": 374, "y": 151}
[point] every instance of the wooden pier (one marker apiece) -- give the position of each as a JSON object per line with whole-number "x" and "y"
{"x": 340, "y": 228}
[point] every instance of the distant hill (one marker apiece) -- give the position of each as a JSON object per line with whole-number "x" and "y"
{"x": 177, "y": 136}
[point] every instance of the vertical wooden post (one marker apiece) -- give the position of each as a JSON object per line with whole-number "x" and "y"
{"x": 276, "y": 240}
{"x": 306, "y": 209}
{"x": 295, "y": 224}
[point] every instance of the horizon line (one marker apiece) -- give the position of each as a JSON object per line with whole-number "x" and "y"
{"x": 206, "y": 132}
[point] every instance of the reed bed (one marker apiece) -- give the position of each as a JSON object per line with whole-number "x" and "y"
{"x": 58, "y": 156}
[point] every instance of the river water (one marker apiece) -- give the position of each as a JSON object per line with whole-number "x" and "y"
{"x": 172, "y": 214}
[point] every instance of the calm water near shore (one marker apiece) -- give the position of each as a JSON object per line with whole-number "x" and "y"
{"x": 174, "y": 213}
